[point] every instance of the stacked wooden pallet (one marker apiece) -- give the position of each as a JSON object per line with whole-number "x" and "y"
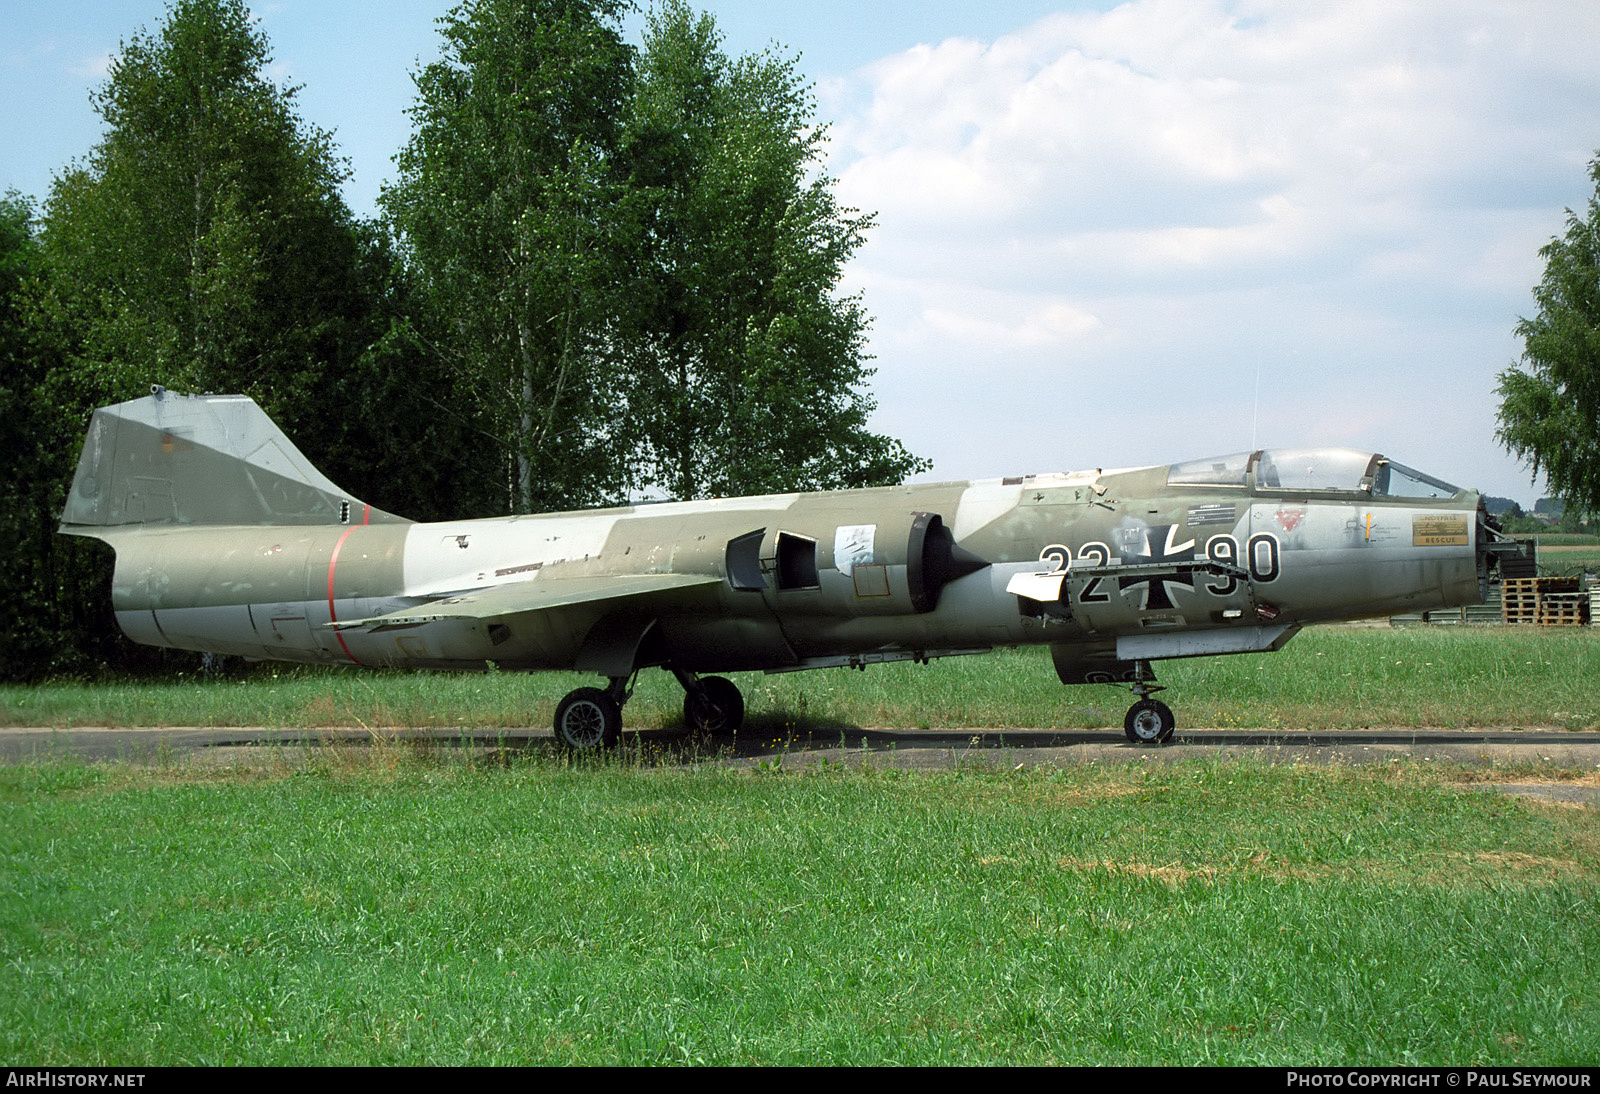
{"x": 1519, "y": 600}
{"x": 1547, "y": 601}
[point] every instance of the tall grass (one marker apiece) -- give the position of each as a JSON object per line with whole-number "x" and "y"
{"x": 1328, "y": 677}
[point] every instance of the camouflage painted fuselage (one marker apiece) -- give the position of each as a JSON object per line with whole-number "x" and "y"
{"x": 1107, "y": 568}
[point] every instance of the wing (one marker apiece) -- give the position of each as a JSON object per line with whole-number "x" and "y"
{"x": 530, "y": 596}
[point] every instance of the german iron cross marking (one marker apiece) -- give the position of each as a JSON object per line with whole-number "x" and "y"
{"x": 1156, "y": 597}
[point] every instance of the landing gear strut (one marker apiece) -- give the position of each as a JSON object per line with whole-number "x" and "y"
{"x": 1149, "y": 721}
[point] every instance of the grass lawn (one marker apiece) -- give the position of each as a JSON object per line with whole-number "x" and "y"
{"x": 381, "y": 907}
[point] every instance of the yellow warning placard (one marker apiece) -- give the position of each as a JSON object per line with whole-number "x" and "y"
{"x": 1439, "y": 531}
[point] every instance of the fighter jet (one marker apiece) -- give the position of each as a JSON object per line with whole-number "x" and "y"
{"x": 228, "y": 540}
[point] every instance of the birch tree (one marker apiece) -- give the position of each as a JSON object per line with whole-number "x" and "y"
{"x": 506, "y": 205}
{"x": 752, "y": 364}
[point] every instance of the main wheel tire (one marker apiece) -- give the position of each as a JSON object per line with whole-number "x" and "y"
{"x": 588, "y": 720}
{"x": 713, "y": 706}
{"x": 1149, "y": 722}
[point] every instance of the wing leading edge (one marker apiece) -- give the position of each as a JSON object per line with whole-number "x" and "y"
{"x": 542, "y": 594}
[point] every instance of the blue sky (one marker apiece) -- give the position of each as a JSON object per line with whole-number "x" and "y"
{"x": 1108, "y": 234}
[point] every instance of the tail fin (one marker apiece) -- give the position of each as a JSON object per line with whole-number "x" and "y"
{"x": 214, "y": 459}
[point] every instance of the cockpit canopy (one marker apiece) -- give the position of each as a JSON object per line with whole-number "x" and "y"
{"x": 1312, "y": 470}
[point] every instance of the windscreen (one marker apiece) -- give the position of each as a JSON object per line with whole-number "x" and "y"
{"x": 1396, "y": 480}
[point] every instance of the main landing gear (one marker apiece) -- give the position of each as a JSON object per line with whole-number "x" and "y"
{"x": 711, "y": 704}
{"x": 590, "y": 719}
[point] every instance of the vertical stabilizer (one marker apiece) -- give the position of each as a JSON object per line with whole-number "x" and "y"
{"x": 192, "y": 460}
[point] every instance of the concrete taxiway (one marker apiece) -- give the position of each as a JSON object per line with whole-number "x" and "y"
{"x": 1522, "y": 754}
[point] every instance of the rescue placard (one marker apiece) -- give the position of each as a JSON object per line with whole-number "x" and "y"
{"x": 1439, "y": 531}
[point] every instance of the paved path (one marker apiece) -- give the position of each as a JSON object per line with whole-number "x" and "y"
{"x": 1516, "y": 750}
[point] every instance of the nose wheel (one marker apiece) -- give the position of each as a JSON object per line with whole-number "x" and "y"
{"x": 1149, "y": 722}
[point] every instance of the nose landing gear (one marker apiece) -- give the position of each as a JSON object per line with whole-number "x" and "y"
{"x": 1149, "y": 722}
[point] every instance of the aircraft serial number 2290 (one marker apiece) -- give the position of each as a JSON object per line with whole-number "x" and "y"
{"x": 228, "y": 540}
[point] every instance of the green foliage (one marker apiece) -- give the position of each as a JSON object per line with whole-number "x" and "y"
{"x": 1550, "y": 407}
{"x": 54, "y": 613}
{"x": 750, "y": 368}
{"x": 27, "y": 448}
{"x": 637, "y": 272}
{"x": 1502, "y": 507}
{"x": 1523, "y": 525}
{"x": 504, "y": 199}
{"x": 202, "y": 244}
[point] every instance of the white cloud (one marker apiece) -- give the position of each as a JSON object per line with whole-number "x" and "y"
{"x": 1050, "y": 324}
{"x": 97, "y": 67}
{"x": 1171, "y": 187}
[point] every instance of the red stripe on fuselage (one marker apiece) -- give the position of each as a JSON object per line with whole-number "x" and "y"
{"x": 333, "y": 616}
